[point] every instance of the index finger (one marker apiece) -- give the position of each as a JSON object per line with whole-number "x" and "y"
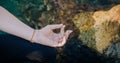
{"x": 62, "y": 31}
{"x": 55, "y": 26}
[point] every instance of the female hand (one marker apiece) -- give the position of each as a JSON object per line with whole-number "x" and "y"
{"x": 46, "y": 36}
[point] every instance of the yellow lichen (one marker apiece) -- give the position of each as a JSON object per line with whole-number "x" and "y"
{"x": 107, "y": 27}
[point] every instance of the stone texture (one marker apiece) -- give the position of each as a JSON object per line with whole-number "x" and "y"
{"x": 113, "y": 50}
{"x": 99, "y": 29}
{"x": 107, "y": 27}
{"x": 84, "y": 22}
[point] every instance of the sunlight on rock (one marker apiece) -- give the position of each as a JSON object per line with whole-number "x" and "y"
{"x": 107, "y": 27}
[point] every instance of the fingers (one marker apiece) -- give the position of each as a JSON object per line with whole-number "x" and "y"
{"x": 67, "y": 33}
{"x": 59, "y": 37}
{"x": 63, "y": 42}
{"x": 61, "y": 34}
{"x": 55, "y": 26}
{"x": 62, "y": 31}
{"x": 54, "y": 43}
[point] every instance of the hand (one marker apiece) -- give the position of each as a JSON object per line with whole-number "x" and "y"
{"x": 46, "y": 36}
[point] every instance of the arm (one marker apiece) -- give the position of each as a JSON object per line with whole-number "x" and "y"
{"x": 45, "y": 36}
{"x": 10, "y": 24}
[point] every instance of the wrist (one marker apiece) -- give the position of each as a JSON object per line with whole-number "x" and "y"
{"x": 34, "y": 36}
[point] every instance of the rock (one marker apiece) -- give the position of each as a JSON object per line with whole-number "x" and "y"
{"x": 99, "y": 29}
{"x": 84, "y": 22}
{"x": 113, "y": 50}
{"x": 106, "y": 27}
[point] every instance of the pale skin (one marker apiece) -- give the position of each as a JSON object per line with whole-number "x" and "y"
{"x": 45, "y": 36}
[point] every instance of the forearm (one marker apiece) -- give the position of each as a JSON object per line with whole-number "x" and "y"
{"x": 12, "y": 25}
